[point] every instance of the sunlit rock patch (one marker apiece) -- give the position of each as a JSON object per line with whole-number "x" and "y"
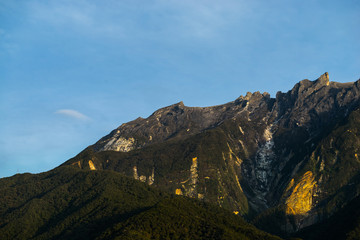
{"x": 300, "y": 200}
{"x": 91, "y": 165}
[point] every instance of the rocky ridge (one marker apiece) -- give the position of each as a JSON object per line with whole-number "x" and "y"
{"x": 251, "y": 155}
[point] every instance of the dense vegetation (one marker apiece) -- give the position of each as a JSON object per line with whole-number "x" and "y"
{"x": 69, "y": 203}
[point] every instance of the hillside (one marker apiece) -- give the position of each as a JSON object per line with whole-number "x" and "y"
{"x": 68, "y": 203}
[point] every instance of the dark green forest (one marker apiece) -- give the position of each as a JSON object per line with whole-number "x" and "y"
{"x": 69, "y": 203}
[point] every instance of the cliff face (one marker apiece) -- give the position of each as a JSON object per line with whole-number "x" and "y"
{"x": 290, "y": 153}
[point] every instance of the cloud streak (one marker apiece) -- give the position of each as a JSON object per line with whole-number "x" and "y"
{"x": 189, "y": 19}
{"x": 73, "y": 114}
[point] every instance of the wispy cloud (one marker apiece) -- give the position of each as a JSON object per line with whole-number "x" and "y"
{"x": 58, "y": 13}
{"x": 127, "y": 19}
{"x": 73, "y": 114}
{"x": 202, "y": 19}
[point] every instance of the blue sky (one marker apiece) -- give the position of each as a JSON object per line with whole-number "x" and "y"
{"x": 71, "y": 71}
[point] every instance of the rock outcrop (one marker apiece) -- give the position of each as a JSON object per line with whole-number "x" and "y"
{"x": 300, "y": 201}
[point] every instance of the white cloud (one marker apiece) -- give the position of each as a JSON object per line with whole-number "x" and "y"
{"x": 72, "y": 113}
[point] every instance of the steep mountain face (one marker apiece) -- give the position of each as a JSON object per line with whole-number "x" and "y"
{"x": 294, "y": 156}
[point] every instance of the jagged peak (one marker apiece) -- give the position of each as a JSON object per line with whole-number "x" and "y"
{"x": 176, "y": 106}
{"x": 307, "y": 87}
{"x": 250, "y": 95}
{"x": 323, "y": 79}
{"x": 181, "y": 104}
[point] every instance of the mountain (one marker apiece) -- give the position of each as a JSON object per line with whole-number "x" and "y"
{"x": 289, "y": 165}
{"x": 284, "y": 163}
{"x": 70, "y": 203}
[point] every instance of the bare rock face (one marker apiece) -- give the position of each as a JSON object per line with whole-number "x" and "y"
{"x": 119, "y": 144}
{"x": 252, "y": 155}
{"x": 300, "y": 200}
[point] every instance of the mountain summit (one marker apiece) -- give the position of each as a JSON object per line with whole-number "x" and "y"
{"x": 294, "y": 156}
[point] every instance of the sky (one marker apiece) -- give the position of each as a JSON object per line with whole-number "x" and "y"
{"x": 72, "y": 71}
